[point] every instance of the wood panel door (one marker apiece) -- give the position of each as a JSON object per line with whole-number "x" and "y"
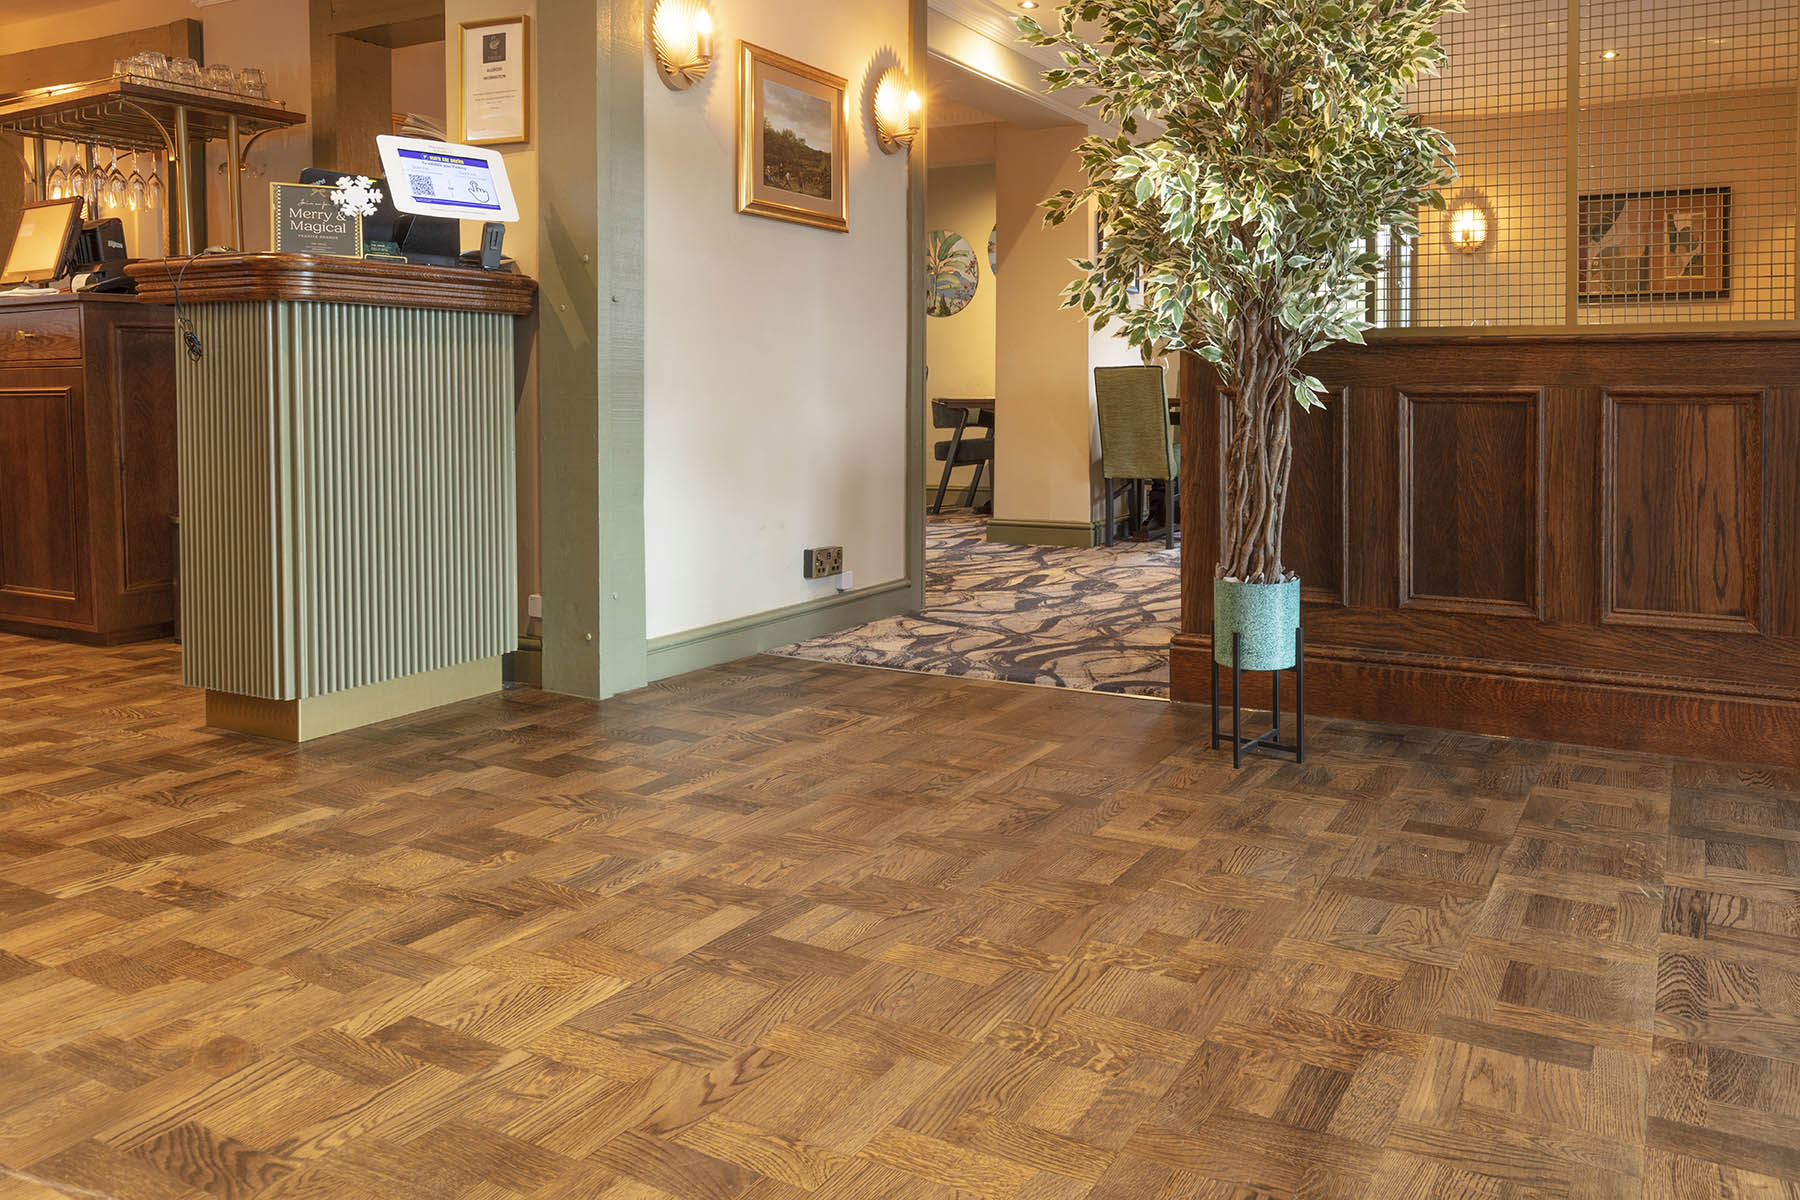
{"x": 44, "y": 568}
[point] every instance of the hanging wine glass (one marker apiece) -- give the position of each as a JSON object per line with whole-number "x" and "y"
{"x": 78, "y": 179}
{"x": 134, "y": 197}
{"x": 57, "y": 183}
{"x": 96, "y": 185}
{"x": 153, "y": 193}
{"x": 115, "y": 182}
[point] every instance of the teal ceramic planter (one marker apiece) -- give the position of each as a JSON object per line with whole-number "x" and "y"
{"x": 1264, "y": 615}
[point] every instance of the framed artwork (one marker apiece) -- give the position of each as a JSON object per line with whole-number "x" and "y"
{"x": 496, "y": 81}
{"x": 1644, "y": 246}
{"x": 793, "y": 141}
{"x": 950, "y": 273}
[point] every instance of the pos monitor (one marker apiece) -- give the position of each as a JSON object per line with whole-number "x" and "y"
{"x": 43, "y": 249}
{"x": 442, "y": 179}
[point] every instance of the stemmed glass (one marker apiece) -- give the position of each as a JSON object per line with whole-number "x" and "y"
{"x": 57, "y": 182}
{"x": 78, "y": 179}
{"x": 153, "y": 193}
{"x": 134, "y": 198}
{"x": 115, "y": 181}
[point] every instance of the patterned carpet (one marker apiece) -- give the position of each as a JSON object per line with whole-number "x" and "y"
{"x": 1098, "y": 619}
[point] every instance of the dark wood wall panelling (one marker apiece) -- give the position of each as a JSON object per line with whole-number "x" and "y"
{"x": 1591, "y": 539}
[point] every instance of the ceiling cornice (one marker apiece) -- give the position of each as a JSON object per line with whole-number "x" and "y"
{"x": 994, "y": 25}
{"x": 983, "y": 19}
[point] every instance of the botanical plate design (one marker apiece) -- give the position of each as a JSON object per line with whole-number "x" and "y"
{"x": 953, "y": 275}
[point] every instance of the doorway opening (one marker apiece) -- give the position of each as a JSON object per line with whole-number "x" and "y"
{"x": 1021, "y": 583}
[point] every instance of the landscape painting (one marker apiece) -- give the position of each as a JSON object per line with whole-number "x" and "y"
{"x": 1644, "y": 246}
{"x": 796, "y": 141}
{"x": 793, "y": 147}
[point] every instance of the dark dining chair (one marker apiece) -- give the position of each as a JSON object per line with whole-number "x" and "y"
{"x": 961, "y": 450}
{"x": 1136, "y": 442}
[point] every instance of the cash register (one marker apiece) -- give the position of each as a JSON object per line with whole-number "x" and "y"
{"x": 55, "y": 250}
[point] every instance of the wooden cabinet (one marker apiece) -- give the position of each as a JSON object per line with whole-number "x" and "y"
{"x": 87, "y": 467}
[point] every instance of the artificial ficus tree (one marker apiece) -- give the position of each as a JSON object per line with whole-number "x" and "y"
{"x": 1264, "y": 145}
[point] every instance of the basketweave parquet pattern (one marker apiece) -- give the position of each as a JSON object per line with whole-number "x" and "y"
{"x": 790, "y": 929}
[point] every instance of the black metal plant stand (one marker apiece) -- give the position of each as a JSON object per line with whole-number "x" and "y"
{"x": 1271, "y": 737}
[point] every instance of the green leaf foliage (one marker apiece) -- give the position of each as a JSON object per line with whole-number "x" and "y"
{"x": 1264, "y": 145}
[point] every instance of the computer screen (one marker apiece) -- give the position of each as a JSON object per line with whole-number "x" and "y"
{"x": 442, "y": 179}
{"x": 46, "y": 234}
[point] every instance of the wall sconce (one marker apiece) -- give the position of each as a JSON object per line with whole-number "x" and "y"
{"x": 897, "y": 108}
{"x": 1468, "y": 225}
{"x": 681, "y": 38}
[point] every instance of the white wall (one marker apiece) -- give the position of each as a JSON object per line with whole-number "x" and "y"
{"x": 775, "y": 387}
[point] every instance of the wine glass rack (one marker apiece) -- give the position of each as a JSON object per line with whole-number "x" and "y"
{"x": 155, "y": 117}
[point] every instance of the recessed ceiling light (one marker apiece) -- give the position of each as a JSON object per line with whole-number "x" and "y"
{"x": 1027, "y": 3}
{"x": 1609, "y": 55}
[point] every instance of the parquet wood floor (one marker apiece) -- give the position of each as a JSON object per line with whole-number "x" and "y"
{"x": 789, "y": 929}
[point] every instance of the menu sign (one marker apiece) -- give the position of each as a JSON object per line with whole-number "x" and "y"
{"x": 307, "y": 222}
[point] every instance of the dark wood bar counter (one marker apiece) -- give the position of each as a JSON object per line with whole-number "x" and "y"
{"x": 87, "y": 467}
{"x": 1590, "y": 539}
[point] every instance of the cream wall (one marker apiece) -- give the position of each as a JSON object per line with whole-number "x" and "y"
{"x": 775, "y": 388}
{"x": 959, "y": 350}
{"x": 419, "y": 79}
{"x": 271, "y": 34}
{"x": 522, "y": 246}
{"x": 1045, "y": 437}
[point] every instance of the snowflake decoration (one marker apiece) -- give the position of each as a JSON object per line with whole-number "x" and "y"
{"x": 356, "y": 195}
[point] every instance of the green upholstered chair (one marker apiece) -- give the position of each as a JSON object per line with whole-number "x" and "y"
{"x": 1136, "y": 442}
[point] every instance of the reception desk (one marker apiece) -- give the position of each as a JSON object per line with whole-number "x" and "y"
{"x": 347, "y": 499}
{"x": 1581, "y": 538}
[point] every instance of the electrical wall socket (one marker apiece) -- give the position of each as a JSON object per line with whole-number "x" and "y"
{"x": 821, "y": 562}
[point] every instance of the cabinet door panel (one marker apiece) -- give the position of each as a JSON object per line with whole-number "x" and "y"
{"x": 143, "y": 370}
{"x": 43, "y": 564}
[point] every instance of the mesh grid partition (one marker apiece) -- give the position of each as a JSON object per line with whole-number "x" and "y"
{"x": 1502, "y": 99}
{"x": 1686, "y": 161}
{"x": 1668, "y": 199}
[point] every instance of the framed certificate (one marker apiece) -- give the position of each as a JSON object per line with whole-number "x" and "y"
{"x": 496, "y": 81}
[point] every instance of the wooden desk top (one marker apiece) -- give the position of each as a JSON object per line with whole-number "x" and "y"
{"x": 9, "y": 299}
{"x": 215, "y": 278}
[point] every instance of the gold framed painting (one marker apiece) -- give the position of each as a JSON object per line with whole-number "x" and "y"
{"x": 1648, "y": 246}
{"x": 793, "y": 141}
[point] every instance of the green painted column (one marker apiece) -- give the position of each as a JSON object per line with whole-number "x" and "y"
{"x": 591, "y": 343}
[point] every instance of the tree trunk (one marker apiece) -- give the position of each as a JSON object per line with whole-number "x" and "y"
{"x": 1260, "y": 459}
